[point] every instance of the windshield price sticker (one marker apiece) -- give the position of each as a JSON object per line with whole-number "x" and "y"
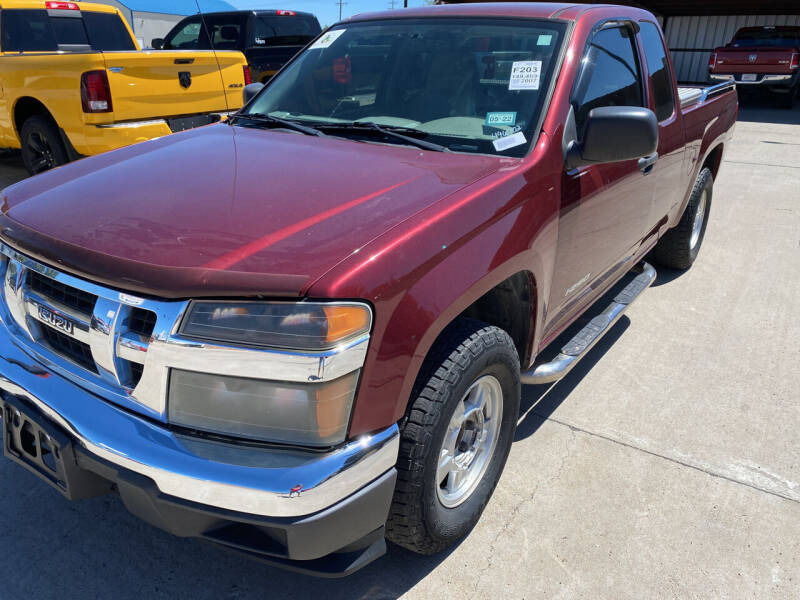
{"x": 501, "y": 118}
{"x": 544, "y": 40}
{"x": 525, "y": 75}
{"x": 510, "y": 141}
{"x": 327, "y": 39}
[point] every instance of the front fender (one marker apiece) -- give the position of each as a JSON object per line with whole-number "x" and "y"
{"x": 424, "y": 273}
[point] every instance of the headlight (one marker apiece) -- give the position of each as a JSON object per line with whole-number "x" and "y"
{"x": 298, "y": 326}
{"x": 296, "y": 412}
{"x": 314, "y": 414}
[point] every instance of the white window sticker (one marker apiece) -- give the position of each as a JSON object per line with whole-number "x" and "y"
{"x": 510, "y": 141}
{"x": 327, "y": 39}
{"x": 544, "y": 40}
{"x": 525, "y": 75}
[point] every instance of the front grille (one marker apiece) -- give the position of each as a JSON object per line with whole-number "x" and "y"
{"x": 142, "y": 322}
{"x": 136, "y": 373}
{"x": 68, "y": 347}
{"x": 81, "y": 301}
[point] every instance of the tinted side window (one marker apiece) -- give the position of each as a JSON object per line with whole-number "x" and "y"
{"x": 658, "y": 66}
{"x": 610, "y": 75}
{"x": 188, "y": 37}
{"x": 107, "y": 32}
{"x": 27, "y": 31}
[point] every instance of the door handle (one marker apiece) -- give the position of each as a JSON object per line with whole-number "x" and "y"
{"x": 646, "y": 163}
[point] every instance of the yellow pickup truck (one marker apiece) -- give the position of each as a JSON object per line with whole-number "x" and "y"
{"x": 74, "y": 82}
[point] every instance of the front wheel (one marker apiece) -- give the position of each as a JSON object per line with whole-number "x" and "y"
{"x": 42, "y": 148}
{"x": 456, "y": 438}
{"x": 679, "y": 247}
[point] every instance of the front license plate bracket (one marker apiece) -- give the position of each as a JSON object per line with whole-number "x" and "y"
{"x": 44, "y": 449}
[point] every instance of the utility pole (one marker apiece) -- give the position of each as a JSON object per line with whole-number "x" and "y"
{"x": 340, "y": 3}
{"x": 391, "y": 4}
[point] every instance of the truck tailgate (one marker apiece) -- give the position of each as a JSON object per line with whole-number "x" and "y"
{"x": 169, "y": 83}
{"x": 756, "y": 60}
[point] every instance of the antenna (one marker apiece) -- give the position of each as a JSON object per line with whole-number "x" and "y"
{"x": 340, "y": 3}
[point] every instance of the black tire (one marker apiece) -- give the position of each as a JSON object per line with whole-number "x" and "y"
{"x": 42, "y": 147}
{"x": 470, "y": 351}
{"x": 787, "y": 100}
{"x": 675, "y": 249}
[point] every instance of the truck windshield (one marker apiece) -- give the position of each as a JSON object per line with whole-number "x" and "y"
{"x": 767, "y": 38}
{"x": 468, "y": 85}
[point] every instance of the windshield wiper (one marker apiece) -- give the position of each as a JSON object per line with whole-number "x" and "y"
{"x": 289, "y": 124}
{"x": 388, "y": 131}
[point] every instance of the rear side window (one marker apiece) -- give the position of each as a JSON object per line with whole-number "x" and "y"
{"x": 107, "y": 32}
{"x": 36, "y": 31}
{"x": 610, "y": 75}
{"x": 223, "y": 31}
{"x": 767, "y": 38}
{"x": 657, "y": 64}
{"x": 27, "y": 31}
{"x": 280, "y": 29}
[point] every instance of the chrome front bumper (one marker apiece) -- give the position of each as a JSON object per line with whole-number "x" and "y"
{"x": 250, "y": 479}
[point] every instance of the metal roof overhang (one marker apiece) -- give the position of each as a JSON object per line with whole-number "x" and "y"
{"x": 670, "y": 8}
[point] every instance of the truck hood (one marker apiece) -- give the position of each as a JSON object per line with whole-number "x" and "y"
{"x": 225, "y": 210}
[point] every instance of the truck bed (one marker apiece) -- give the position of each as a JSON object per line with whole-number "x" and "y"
{"x": 692, "y": 94}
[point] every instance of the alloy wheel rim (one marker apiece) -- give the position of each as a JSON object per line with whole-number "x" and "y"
{"x": 42, "y": 158}
{"x": 469, "y": 442}
{"x": 697, "y": 224}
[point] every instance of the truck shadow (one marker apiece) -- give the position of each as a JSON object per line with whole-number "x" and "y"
{"x": 96, "y": 549}
{"x": 539, "y": 402}
{"x": 11, "y": 168}
{"x": 762, "y": 110}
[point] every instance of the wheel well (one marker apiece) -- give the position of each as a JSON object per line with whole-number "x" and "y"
{"x": 713, "y": 160}
{"x": 508, "y": 306}
{"x": 28, "y": 107}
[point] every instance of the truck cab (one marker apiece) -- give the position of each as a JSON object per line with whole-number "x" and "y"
{"x": 268, "y": 38}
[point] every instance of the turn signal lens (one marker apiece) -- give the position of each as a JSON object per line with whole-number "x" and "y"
{"x": 248, "y": 79}
{"x": 345, "y": 322}
{"x": 297, "y": 326}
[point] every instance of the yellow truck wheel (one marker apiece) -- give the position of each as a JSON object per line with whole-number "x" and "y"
{"x": 42, "y": 148}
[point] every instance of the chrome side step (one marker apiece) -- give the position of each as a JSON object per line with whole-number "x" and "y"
{"x": 586, "y": 338}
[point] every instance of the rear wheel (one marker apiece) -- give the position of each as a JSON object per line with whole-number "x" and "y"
{"x": 42, "y": 148}
{"x": 456, "y": 438}
{"x": 679, "y": 247}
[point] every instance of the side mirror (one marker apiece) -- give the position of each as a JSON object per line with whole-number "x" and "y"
{"x": 157, "y": 43}
{"x": 613, "y": 134}
{"x": 251, "y": 91}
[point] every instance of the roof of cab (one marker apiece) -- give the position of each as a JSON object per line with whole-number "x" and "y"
{"x": 532, "y": 10}
{"x": 42, "y": 5}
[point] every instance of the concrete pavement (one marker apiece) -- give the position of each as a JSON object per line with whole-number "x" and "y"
{"x": 666, "y": 465}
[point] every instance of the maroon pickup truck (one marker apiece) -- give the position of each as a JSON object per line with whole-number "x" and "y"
{"x": 304, "y": 330}
{"x": 761, "y": 58}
